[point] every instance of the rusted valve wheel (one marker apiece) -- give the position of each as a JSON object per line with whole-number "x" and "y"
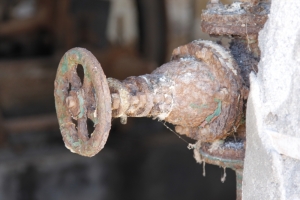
{"x": 76, "y": 102}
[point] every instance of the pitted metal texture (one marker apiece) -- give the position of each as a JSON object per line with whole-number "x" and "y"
{"x": 200, "y": 91}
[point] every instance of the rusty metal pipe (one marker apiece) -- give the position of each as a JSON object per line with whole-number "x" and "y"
{"x": 200, "y": 91}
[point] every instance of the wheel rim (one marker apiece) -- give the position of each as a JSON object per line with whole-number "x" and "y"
{"x": 77, "y": 102}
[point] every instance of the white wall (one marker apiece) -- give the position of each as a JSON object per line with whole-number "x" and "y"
{"x": 272, "y": 163}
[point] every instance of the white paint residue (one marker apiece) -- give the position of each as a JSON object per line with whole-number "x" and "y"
{"x": 235, "y": 7}
{"x": 224, "y": 55}
{"x": 164, "y": 115}
{"x": 162, "y": 79}
{"x": 224, "y": 175}
{"x": 215, "y": 145}
{"x": 187, "y": 78}
{"x": 145, "y": 79}
{"x": 186, "y": 59}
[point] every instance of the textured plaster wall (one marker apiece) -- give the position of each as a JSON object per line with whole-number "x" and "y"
{"x": 272, "y": 163}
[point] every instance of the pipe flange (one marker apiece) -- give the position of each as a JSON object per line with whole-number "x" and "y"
{"x": 225, "y": 93}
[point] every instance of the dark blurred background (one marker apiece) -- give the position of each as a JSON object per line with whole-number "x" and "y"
{"x": 141, "y": 160}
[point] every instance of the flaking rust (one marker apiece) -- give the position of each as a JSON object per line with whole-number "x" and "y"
{"x": 239, "y": 18}
{"x": 200, "y": 91}
{"x": 215, "y": 86}
{"x": 77, "y": 101}
{"x": 240, "y": 21}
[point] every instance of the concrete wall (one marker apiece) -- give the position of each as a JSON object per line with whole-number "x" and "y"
{"x": 272, "y": 163}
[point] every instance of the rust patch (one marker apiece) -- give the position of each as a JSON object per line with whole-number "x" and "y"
{"x": 239, "y": 18}
{"x": 222, "y": 94}
{"x": 200, "y": 91}
{"x": 90, "y": 99}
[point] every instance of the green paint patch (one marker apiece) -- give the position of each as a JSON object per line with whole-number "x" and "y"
{"x": 62, "y": 119}
{"x": 199, "y": 107}
{"x": 78, "y": 54}
{"x": 243, "y": 121}
{"x": 76, "y": 144}
{"x": 211, "y": 76}
{"x": 95, "y": 144}
{"x": 81, "y": 106}
{"x": 64, "y": 67}
{"x": 217, "y": 112}
{"x": 87, "y": 75}
{"x": 69, "y": 137}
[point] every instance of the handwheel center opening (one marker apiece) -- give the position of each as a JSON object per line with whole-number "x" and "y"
{"x": 69, "y": 88}
{"x": 90, "y": 127}
{"x": 75, "y": 122}
{"x": 80, "y": 72}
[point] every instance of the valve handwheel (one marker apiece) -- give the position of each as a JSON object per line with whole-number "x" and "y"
{"x": 77, "y": 100}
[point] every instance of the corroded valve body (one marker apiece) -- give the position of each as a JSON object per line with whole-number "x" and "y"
{"x": 200, "y": 91}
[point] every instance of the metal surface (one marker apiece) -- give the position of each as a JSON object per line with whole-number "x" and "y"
{"x": 226, "y": 153}
{"x": 241, "y": 21}
{"x": 200, "y": 91}
{"x": 79, "y": 101}
{"x": 238, "y": 18}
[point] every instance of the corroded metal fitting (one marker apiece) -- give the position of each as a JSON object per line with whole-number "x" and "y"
{"x": 218, "y": 93}
{"x": 142, "y": 96}
{"x": 242, "y": 18}
{"x": 226, "y": 153}
{"x": 222, "y": 154}
{"x": 200, "y": 91}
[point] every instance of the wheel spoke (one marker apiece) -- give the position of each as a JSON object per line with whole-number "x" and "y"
{"x": 90, "y": 100}
{"x": 74, "y": 79}
{"x": 82, "y": 129}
